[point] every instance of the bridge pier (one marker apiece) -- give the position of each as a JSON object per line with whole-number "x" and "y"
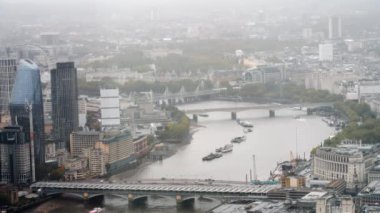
{"x": 96, "y": 199}
{"x": 233, "y": 115}
{"x": 195, "y": 118}
{"x": 272, "y": 113}
{"x": 137, "y": 200}
{"x": 309, "y": 111}
{"x": 185, "y": 201}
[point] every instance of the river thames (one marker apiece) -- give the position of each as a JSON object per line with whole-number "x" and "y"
{"x": 271, "y": 141}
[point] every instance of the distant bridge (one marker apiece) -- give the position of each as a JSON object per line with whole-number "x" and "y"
{"x": 184, "y": 192}
{"x": 271, "y": 107}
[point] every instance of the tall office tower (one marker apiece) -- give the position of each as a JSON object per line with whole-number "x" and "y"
{"x": 110, "y": 108}
{"x": 26, "y": 101}
{"x": 8, "y": 69}
{"x": 14, "y": 156}
{"x": 64, "y": 99}
{"x": 335, "y": 27}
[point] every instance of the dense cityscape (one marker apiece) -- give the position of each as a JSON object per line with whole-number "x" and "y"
{"x": 190, "y": 106}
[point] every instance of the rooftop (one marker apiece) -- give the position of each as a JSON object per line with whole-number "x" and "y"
{"x": 371, "y": 188}
{"x": 314, "y": 195}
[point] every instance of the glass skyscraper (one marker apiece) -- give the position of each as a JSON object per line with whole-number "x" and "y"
{"x": 27, "y": 90}
{"x": 64, "y": 99}
{"x": 15, "y": 164}
{"x": 7, "y": 77}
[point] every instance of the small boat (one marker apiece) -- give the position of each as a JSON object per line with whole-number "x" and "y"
{"x": 238, "y": 139}
{"x": 210, "y": 156}
{"x": 219, "y": 149}
{"x": 247, "y": 130}
{"x": 246, "y": 124}
{"x": 203, "y": 115}
{"x": 218, "y": 155}
{"x": 227, "y": 148}
{"x": 96, "y": 210}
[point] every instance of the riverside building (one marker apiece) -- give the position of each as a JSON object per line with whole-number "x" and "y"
{"x": 351, "y": 161}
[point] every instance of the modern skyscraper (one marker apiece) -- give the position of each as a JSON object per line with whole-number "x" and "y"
{"x": 335, "y": 27}
{"x": 64, "y": 98}
{"x": 8, "y": 69}
{"x": 27, "y": 90}
{"x": 14, "y": 156}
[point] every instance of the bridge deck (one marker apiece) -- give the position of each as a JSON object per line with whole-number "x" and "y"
{"x": 258, "y": 106}
{"x": 209, "y": 189}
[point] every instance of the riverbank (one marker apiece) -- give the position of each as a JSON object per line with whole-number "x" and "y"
{"x": 146, "y": 161}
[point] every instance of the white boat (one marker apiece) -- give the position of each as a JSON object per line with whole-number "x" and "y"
{"x": 238, "y": 139}
{"x": 227, "y": 148}
{"x": 246, "y": 124}
{"x": 96, "y": 210}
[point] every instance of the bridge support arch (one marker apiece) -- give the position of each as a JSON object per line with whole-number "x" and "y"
{"x": 185, "y": 201}
{"x": 272, "y": 113}
{"x": 233, "y": 115}
{"x": 137, "y": 200}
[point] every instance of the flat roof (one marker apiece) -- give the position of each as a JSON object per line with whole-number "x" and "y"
{"x": 314, "y": 195}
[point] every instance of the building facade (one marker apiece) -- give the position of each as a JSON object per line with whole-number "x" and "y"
{"x": 349, "y": 162}
{"x": 332, "y": 204}
{"x": 64, "y": 98}
{"x": 119, "y": 148}
{"x": 82, "y": 140}
{"x": 141, "y": 146}
{"x": 15, "y": 164}
{"x": 8, "y": 69}
{"x": 27, "y": 90}
{"x": 326, "y": 52}
{"x": 110, "y": 107}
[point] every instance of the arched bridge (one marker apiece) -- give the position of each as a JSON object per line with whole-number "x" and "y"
{"x": 140, "y": 191}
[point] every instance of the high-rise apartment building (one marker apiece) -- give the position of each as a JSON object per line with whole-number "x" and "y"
{"x": 8, "y": 69}
{"x": 27, "y": 91}
{"x": 64, "y": 99}
{"x": 335, "y": 27}
{"x": 15, "y": 161}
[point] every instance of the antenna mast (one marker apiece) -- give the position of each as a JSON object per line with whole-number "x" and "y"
{"x": 254, "y": 168}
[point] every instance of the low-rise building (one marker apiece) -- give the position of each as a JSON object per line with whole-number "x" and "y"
{"x": 293, "y": 181}
{"x": 350, "y": 161}
{"x": 369, "y": 195}
{"x": 76, "y": 168}
{"x": 332, "y": 204}
{"x": 141, "y": 147}
{"x": 97, "y": 161}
